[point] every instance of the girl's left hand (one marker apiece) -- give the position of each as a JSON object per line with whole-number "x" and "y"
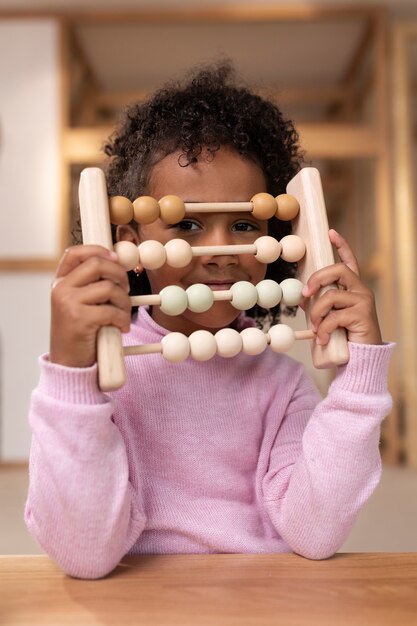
{"x": 352, "y": 306}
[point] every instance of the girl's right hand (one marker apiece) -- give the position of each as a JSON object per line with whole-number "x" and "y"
{"x": 90, "y": 291}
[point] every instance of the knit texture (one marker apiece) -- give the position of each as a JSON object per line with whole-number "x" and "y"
{"x": 227, "y": 455}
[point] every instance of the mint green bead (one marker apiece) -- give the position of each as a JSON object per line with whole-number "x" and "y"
{"x": 173, "y": 300}
{"x": 244, "y": 295}
{"x": 200, "y": 297}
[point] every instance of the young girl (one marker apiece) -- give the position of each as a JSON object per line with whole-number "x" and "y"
{"x": 225, "y": 455}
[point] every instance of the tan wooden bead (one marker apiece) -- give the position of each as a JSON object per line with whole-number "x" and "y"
{"x": 172, "y": 209}
{"x": 288, "y": 207}
{"x": 145, "y": 209}
{"x": 121, "y": 210}
{"x": 264, "y": 206}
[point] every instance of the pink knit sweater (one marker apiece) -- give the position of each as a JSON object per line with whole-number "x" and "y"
{"x": 227, "y": 455}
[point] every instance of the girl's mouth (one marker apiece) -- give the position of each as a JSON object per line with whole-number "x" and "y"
{"x": 219, "y": 286}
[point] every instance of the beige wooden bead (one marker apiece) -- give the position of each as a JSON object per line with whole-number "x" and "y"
{"x": 172, "y": 209}
{"x": 127, "y": 254}
{"x": 229, "y": 342}
{"x": 293, "y": 248}
{"x": 203, "y": 345}
{"x": 152, "y": 254}
{"x": 120, "y": 210}
{"x": 175, "y": 347}
{"x": 145, "y": 210}
{"x": 264, "y": 206}
{"x": 254, "y": 341}
{"x": 281, "y": 337}
{"x": 288, "y": 207}
{"x": 268, "y": 249}
{"x": 178, "y": 253}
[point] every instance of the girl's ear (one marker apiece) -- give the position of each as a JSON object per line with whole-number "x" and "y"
{"x": 127, "y": 233}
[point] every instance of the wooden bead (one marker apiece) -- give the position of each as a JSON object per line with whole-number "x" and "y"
{"x": 151, "y": 254}
{"x": 264, "y": 206}
{"x": 268, "y": 249}
{"x": 281, "y": 338}
{"x": 120, "y": 210}
{"x": 229, "y": 342}
{"x": 291, "y": 291}
{"x": 293, "y": 248}
{"x": 288, "y": 207}
{"x": 244, "y": 295}
{"x": 145, "y": 210}
{"x": 178, "y": 253}
{"x": 269, "y": 293}
{"x": 200, "y": 297}
{"x": 203, "y": 345}
{"x": 172, "y": 209}
{"x": 254, "y": 341}
{"x": 175, "y": 347}
{"x": 173, "y": 300}
{"x": 127, "y": 254}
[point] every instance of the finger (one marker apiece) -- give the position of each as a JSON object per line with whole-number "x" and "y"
{"x": 338, "y": 273}
{"x": 106, "y": 315}
{"x": 344, "y": 251}
{"x": 343, "y": 318}
{"x": 76, "y": 255}
{"x": 332, "y": 299}
{"x": 94, "y": 269}
{"x": 104, "y": 291}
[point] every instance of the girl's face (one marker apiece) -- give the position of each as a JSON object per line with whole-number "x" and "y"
{"x": 226, "y": 177}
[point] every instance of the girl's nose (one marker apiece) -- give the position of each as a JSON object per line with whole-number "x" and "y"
{"x": 219, "y": 237}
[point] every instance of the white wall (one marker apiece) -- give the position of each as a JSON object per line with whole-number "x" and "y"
{"x": 29, "y": 212}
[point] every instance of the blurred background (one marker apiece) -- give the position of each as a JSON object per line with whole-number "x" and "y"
{"x": 345, "y": 72}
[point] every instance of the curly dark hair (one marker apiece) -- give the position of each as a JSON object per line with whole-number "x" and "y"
{"x": 209, "y": 109}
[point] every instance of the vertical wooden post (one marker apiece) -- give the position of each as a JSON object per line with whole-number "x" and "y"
{"x": 385, "y": 227}
{"x": 405, "y": 234}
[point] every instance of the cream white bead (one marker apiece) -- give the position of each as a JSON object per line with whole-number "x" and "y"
{"x": 254, "y": 341}
{"x": 291, "y": 291}
{"x": 178, "y": 253}
{"x": 268, "y": 249}
{"x": 269, "y": 293}
{"x": 203, "y": 345}
{"x": 173, "y": 300}
{"x": 281, "y": 337}
{"x": 127, "y": 254}
{"x": 200, "y": 297}
{"x": 293, "y": 248}
{"x": 152, "y": 254}
{"x": 244, "y": 295}
{"x": 175, "y": 347}
{"x": 229, "y": 342}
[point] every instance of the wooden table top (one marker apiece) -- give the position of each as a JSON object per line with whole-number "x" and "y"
{"x": 219, "y": 590}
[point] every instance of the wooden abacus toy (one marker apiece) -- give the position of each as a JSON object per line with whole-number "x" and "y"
{"x": 309, "y": 246}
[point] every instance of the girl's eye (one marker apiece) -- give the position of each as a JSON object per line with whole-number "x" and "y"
{"x": 186, "y": 225}
{"x": 244, "y": 227}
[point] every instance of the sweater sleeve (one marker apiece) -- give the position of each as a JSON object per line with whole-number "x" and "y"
{"x": 324, "y": 465}
{"x": 81, "y": 507}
